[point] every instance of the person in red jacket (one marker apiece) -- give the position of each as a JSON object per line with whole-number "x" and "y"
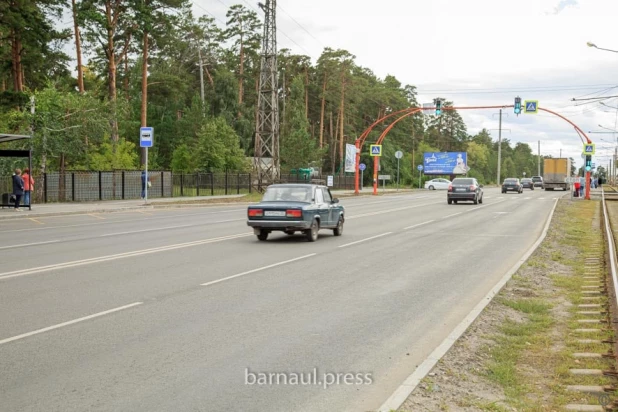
{"x": 28, "y": 186}
{"x": 577, "y": 187}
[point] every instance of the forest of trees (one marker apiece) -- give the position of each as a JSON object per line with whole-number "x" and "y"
{"x": 138, "y": 63}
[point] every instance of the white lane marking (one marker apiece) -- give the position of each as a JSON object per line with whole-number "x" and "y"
{"x": 527, "y": 198}
{"x": 541, "y": 198}
{"x": 165, "y": 228}
{"x": 117, "y": 256}
{"x": 480, "y": 207}
{"x": 454, "y": 214}
{"x": 391, "y": 210}
{"x": 419, "y": 224}
{"x": 30, "y": 244}
{"x": 111, "y": 221}
{"x": 400, "y": 395}
{"x": 366, "y": 239}
{"x": 258, "y": 269}
{"x": 71, "y": 322}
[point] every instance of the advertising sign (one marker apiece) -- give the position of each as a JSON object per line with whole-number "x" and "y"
{"x": 350, "y": 158}
{"x": 445, "y": 163}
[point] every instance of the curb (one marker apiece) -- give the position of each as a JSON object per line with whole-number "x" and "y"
{"x": 401, "y": 394}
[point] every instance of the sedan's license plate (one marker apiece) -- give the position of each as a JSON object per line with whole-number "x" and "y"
{"x": 461, "y": 189}
{"x": 274, "y": 213}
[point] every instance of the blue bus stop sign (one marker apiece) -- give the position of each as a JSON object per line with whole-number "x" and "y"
{"x": 362, "y": 166}
{"x": 419, "y": 167}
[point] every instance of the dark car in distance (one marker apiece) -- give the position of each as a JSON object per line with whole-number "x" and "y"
{"x": 464, "y": 189}
{"x": 527, "y": 183}
{"x": 512, "y": 184}
{"x": 538, "y": 181}
{"x": 292, "y": 208}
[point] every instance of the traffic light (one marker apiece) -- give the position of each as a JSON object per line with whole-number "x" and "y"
{"x": 588, "y": 163}
{"x": 518, "y": 105}
{"x": 438, "y": 107}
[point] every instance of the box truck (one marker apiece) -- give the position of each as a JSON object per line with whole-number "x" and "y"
{"x": 556, "y": 173}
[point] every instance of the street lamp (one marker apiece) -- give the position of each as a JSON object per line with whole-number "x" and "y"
{"x": 590, "y": 44}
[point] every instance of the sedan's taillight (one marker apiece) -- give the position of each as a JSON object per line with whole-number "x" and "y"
{"x": 294, "y": 213}
{"x": 256, "y": 212}
{"x": 472, "y": 187}
{"x": 450, "y": 188}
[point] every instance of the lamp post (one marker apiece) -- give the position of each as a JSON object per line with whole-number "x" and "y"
{"x": 590, "y": 44}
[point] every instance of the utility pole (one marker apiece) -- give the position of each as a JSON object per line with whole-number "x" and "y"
{"x": 199, "y": 53}
{"x": 267, "y": 128}
{"x": 499, "y": 149}
{"x": 560, "y": 153}
{"x": 539, "y": 160}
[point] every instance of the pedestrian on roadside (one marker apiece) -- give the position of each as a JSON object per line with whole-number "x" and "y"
{"x": 18, "y": 188}
{"x": 577, "y": 187}
{"x": 582, "y": 184}
{"x": 28, "y": 186}
{"x": 145, "y": 181}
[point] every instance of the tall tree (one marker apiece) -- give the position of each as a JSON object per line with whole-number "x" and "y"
{"x": 243, "y": 28}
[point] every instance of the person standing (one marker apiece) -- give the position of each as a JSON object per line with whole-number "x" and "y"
{"x": 28, "y": 186}
{"x": 18, "y": 188}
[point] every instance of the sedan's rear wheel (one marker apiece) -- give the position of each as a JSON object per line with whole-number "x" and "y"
{"x": 263, "y": 235}
{"x": 476, "y": 200}
{"x": 449, "y": 201}
{"x": 338, "y": 231}
{"x": 481, "y": 199}
{"x": 312, "y": 233}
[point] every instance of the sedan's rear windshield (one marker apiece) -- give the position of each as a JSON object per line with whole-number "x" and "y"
{"x": 463, "y": 181}
{"x": 510, "y": 180}
{"x": 537, "y": 178}
{"x": 287, "y": 194}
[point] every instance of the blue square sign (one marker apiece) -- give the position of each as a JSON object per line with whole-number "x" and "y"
{"x": 146, "y": 136}
{"x": 531, "y": 106}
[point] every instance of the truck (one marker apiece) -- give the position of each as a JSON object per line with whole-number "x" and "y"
{"x": 556, "y": 172}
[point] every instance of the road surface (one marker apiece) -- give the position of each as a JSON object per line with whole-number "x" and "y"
{"x": 183, "y": 309}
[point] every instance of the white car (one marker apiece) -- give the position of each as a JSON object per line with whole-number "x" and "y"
{"x": 437, "y": 184}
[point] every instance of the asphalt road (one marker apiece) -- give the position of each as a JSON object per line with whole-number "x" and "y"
{"x": 175, "y": 309}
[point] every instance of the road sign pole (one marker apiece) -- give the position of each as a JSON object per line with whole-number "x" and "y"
{"x": 375, "y": 174}
{"x": 397, "y": 174}
{"x": 361, "y": 180}
{"x": 146, "y": 182}
{"x": 419, "y": 178}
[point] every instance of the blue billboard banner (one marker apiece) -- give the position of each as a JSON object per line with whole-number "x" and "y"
{"x": 446, "y": 163}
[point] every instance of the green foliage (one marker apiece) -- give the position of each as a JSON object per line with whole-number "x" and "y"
{"x": 124, "y": 157}
{"x": 182, "y": 161}
{"x": 219, "y": 147}
{"x": 298, "y": 149}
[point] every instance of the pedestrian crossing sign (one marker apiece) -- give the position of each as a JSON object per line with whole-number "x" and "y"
{"x": 589, "y": 149}
{"x": 376, "y": 150}
{"x": 531, "y": 106}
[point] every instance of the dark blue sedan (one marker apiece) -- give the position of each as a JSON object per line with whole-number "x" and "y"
{"x": 292, "y": 208}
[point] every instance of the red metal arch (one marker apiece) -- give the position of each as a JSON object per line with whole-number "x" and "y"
{"x": 412, "y": 110}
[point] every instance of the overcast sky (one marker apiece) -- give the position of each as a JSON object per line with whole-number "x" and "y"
{"x": 475, "y": 52}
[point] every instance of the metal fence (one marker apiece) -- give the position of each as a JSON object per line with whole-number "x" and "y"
{"x": 84, "y": 186}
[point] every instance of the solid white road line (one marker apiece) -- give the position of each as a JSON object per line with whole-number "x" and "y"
{"x": 257, "y": 270}
{"x": 29, "y": 244}
{"x": 117, "y": 256}
{"x": 71, "y": 322}
{"x": 407, "y": 387}
{"x": 112, "y": 221}
{"x": 419, "y": 224}
{"x": 366, "y": 239}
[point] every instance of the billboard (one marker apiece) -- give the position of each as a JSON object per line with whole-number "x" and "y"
{"x": 350, "y": 158}
{"x": 445, "y": 163}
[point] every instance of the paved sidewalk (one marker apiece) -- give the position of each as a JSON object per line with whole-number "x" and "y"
{"x": 74, "y": 208}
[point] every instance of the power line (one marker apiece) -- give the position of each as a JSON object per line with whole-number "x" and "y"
{"x": 300, "y": 25}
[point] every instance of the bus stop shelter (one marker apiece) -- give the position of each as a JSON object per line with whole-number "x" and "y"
{"x": 15, "y": 153}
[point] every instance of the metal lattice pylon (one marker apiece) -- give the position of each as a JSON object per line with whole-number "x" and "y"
{"x": 267, "y": 128}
